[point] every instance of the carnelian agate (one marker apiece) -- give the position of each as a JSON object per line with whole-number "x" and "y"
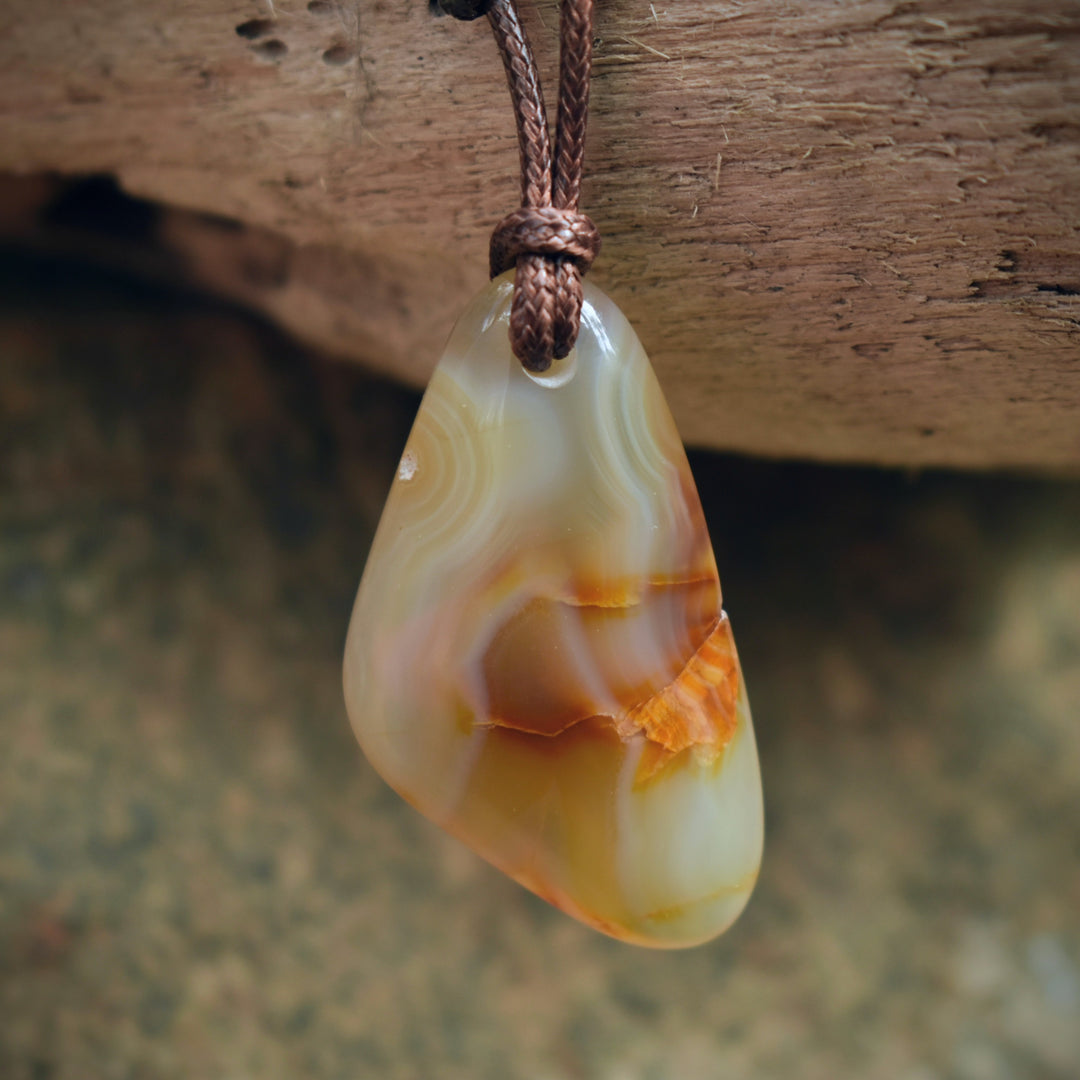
{"x": 538, "y": 659}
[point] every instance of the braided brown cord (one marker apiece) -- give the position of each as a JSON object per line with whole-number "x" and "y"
{"x": 575, "y": 62}
{"x": 549, "y": 242}
{"x": 524, "y": 81}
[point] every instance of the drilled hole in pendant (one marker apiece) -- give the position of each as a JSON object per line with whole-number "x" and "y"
{"x": 559, "y": 374}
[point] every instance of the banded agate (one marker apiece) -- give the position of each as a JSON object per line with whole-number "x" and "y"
{"x": 538, "y": 660}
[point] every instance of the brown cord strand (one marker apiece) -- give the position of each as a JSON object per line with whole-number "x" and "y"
{"x": 547, "y": 239}
{"x": 528, "y": 99}
{"x": 532, "y": 313}
{"x": 575, "y": 62}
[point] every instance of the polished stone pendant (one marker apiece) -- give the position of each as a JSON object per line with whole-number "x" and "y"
{"x": 538, "y": 660}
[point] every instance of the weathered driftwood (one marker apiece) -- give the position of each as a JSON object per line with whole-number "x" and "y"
{"x": 844, "y": 230}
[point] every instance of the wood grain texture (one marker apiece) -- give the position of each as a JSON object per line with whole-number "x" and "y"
{"x": 844, "y": 230}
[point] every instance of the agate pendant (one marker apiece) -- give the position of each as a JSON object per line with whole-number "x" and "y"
{"x": 538, "y": 659}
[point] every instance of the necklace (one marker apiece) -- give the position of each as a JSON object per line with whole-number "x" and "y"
{"x": 538, "y": 659}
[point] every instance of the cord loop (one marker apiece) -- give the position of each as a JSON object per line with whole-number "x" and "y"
{"x": 549, "y": 242}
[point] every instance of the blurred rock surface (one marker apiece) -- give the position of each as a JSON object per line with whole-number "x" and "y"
{"x": 201, "y": 877}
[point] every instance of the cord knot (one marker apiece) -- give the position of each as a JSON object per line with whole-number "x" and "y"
{"x": 552, "y": 248}
{"x": 544, "y": 230}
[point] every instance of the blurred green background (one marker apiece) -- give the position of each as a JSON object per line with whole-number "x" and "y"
{"x": 200, "y": 876}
